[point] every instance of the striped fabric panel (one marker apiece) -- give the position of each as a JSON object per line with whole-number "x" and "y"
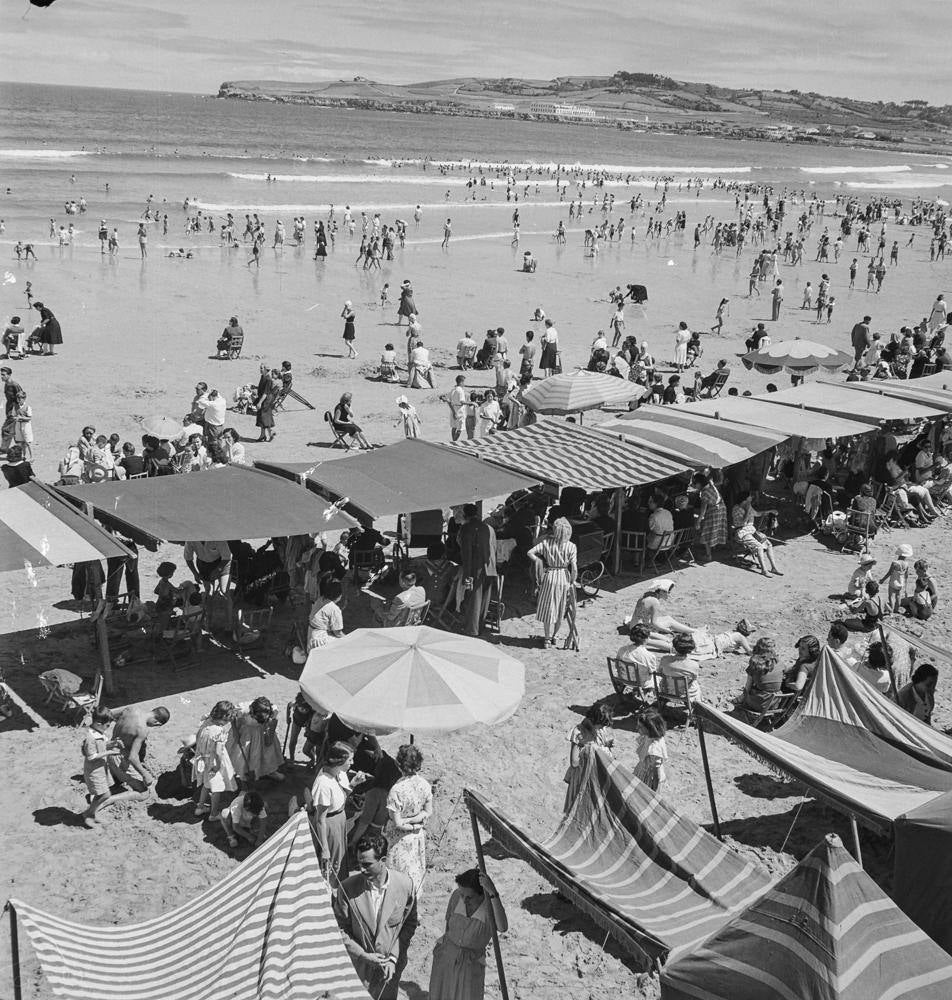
{"x": 642, "y": 858}
{"x": 753, "y": 439}
{"x": 573, "y": 392}
{"x": 266, "y": 932}
{"x": 557, "y": 451}
{"x": 825, "y": 930}
{"x": 681, "y": 443}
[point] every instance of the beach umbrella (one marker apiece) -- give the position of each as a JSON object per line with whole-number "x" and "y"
{"x": 574, "y": 392}
{"x": 413, "y": 679}
{"x": 163, "y": 428}
{"x": 798, "y": 357}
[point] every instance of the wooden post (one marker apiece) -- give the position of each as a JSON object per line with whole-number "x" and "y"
{"x": 857, "y": 850}
{"x": 893, "y": 687}
{"x": 619, "y": 505}
{"x": 503, "y": 988}
{"x": 102, "y": 634}
{"x": 15, "y": 952}
{"x": 707, "y": 777}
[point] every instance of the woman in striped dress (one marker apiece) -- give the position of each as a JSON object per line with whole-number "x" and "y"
{"x": 555, "y": 560}
{"x": 712, "y": 514}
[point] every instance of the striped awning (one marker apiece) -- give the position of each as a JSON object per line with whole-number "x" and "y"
{"x": 650, "y": 877}
{"x": 840, "y": 401}
{"x": 556, "y": 451}
{"x": 266, "y": 932}
{"x": 825, "y": 931}
{"x": 38, "y": 528}
{"x": 756, "y": 412}
{"x": 679, "y": 433}
{"x": 907, "y": 389}
{"x": 574, "y": 392}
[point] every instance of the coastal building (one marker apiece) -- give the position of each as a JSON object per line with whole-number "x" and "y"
{"x": 504, "y": 108}
{"x": 559, "y": 110}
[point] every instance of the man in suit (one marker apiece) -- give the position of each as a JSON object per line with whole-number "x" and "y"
{"x": 477, "y": 542}
{"x": 377, "y": 913}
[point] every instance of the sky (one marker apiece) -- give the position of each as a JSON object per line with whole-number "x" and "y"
{"x": 868, "y": 49}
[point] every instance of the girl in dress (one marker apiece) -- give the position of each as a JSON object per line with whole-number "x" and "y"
{"x": 23, "y": 425}
{"x": 459, "y": 958}
{"x": 652, "y": 749}
{"x": 555, "y": 560}
{"x": 212, "y": 766}
{"x": 408, "y": 417}
{"x": 409, "y": 807}
{"x": 712, "y": 514}
{"x": 592, "y": 733}
{"x": 258, "y": 746}
{"x": 350, "y": 332}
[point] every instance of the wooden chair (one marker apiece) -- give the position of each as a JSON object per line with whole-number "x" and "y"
{"x": 775, "y": 715}
{"x": 369, "y": 560}
{"x": 929, "y": 369}
{"x": 412, "y": 616}
{"x": 632, "y": 683}
{"x": 663, "y": 552}
{"x": 74, "y": 707}
{"x": 233, "y": 351}
{"x": 633, "y": 544}
{"x": 673, "y": 690}
{"x": 717, "y": 387}
{"x": 860, "y": 526}
{"x": 340, "y": 438}
{"x": 681, "y": 545}
{"x": 139, "y": 475}
{"x": 183, "y": 636}
{"x": 889, "y": 514}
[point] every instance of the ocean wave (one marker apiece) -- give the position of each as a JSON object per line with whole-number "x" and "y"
{"x": 898, "y": 168}
{"x": 905, "y": 183}
{"x": 350, "y": 179}
{"x": 550, "y": 166}
{"x": 43, "y": 154}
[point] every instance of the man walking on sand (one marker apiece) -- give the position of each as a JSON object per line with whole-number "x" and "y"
{"x": 777, "y": 295}
{"x": 861, "y": 339}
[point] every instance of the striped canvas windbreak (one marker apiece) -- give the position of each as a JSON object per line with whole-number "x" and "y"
{"x": 824, "y": 931}
{"x": 559, "y": 452}
{"x": 653, "y": 879}
{"x": 266, "y": 932}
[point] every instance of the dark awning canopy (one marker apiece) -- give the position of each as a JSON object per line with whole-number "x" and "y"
{"x": 216, "y": 505}
{"x": 404, "y": 478}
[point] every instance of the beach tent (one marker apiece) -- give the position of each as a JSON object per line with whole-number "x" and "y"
{"x": 859, "y": 752}
{"x": 841, "y": 401}
{"x": 648, "y": 876}
{"x": 756, "y": 412}
{"x": 825, "y": 931}
{"x": 575, "y": 392}
{"x": 38, "y": 528}
{"x": 215, "y": 505}
{"x": 905, "y": 389}
{"x": 265, "y": 932}
{"x": 680, "y": 433}
{"x": 565, "y": 454}
{"x": 404, "y": 478}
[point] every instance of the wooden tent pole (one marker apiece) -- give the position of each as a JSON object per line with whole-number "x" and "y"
{"x": 857, "y": 850}
{"x": 503, "y": 987}
{"x": 707, "y": 777}
{"x": 893, "y": 686}
{"x": 15, "y": 952}
{"x": 619, "y": 505}
{"x": 102, "y": 633}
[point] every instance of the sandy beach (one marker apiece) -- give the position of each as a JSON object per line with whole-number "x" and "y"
{"x": 139, "y": 334}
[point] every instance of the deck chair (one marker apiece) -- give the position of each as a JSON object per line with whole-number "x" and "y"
{"x": 633, "y": 544}
{"x": 466, "y": 357}
{"x": 775, "y": 715}
{"x": 139, "y": 475}
{"x": 717, "y": 387}
{"x": 181, "y": 641}
{"x": 681, "y": 544}
{"x": 929, "y": 369}
{"x": 860, "y": 525}
{"x": 663, "y": 552}
{"x": 673, "y": 690}
{"x": 340, "y": 437}
{"x": 634, "y": 684}
{"x": 76, "y": 706}
{"x": 413, "y": 616}
{"x": 889, "y": 514}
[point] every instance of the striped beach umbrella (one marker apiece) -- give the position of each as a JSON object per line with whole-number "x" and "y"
{"x": 413, "y": 679}
{"x": 798, "y": 357}
{"x": 824, "y": 931}
{"x": 574, "y": 392}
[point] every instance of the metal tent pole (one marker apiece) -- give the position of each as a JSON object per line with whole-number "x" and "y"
{"x": 857, "y": 850}
{"x": 707, "y": 776}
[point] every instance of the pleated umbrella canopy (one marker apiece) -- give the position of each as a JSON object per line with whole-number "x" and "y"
{"x": 573, "y": 392}
{"x": 413, "y": 679}
{"x": 164, "y": 428}
{"x": 799, "y": 357}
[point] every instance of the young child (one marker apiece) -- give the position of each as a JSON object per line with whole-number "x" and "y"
{"x": 735, "y": 641}
{"x": 869, "y": 608}
{"x": 96, "y": 749}
{"x": 245, "y": 818}
{"x": 166, "y": 593}
{"x": 922, "y": 602}
{"x": 861, "y": 576}
{"x": 652, "y": 749}
{"x": 898, "y": 577}
{"x": 385, "y": 295}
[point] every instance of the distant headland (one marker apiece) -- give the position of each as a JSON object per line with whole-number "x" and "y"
{"x": 635, "y": 101}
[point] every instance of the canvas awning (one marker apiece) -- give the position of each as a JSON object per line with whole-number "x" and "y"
{"x": 841, "y": 401}
{"x": 908, "y": 390}
{"x": 756, "y": 412}
{"x": 216, "y": 505}
{"x": 266, "y": 931}
{"x": 825, "y": 931}
{"x": 680, "y": 433}
{"x": 650, "y": 877}
{"x": 556, "y": 451}
{"x": 38, "y": 528}
{"x": 404, "y": 478}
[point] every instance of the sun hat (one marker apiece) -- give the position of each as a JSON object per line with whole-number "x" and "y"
{"x": 402, "y": 401}
{"x": 867, "y": 559}
{"x": 905, "y": 551}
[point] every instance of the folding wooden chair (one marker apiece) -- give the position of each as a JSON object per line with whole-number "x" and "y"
{"x": 776, "y": 714}
{"x": 340, "y": 438}
{"x": 369, "y": 560}
{"x": 720, "y": 380}
{"x": 663, "y": 552}
{"x": 183, "y": 636}
{"x": 74, "y": 707}
{"x": 681, "y": 544}
{"x": 633, "y": 544}
{"x": 673, "y": 690}
{"x": 632, "y": 683}
{"x": 860, "y": 525}
{"x": 234, "y": 347}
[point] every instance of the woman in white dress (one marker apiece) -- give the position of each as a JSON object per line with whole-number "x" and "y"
{"x": 681, "y": 338}
{"x": 409, "y": 807}
{"x": 326, "y": 621}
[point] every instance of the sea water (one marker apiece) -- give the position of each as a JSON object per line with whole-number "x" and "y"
{"x": 63, "y": 143}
